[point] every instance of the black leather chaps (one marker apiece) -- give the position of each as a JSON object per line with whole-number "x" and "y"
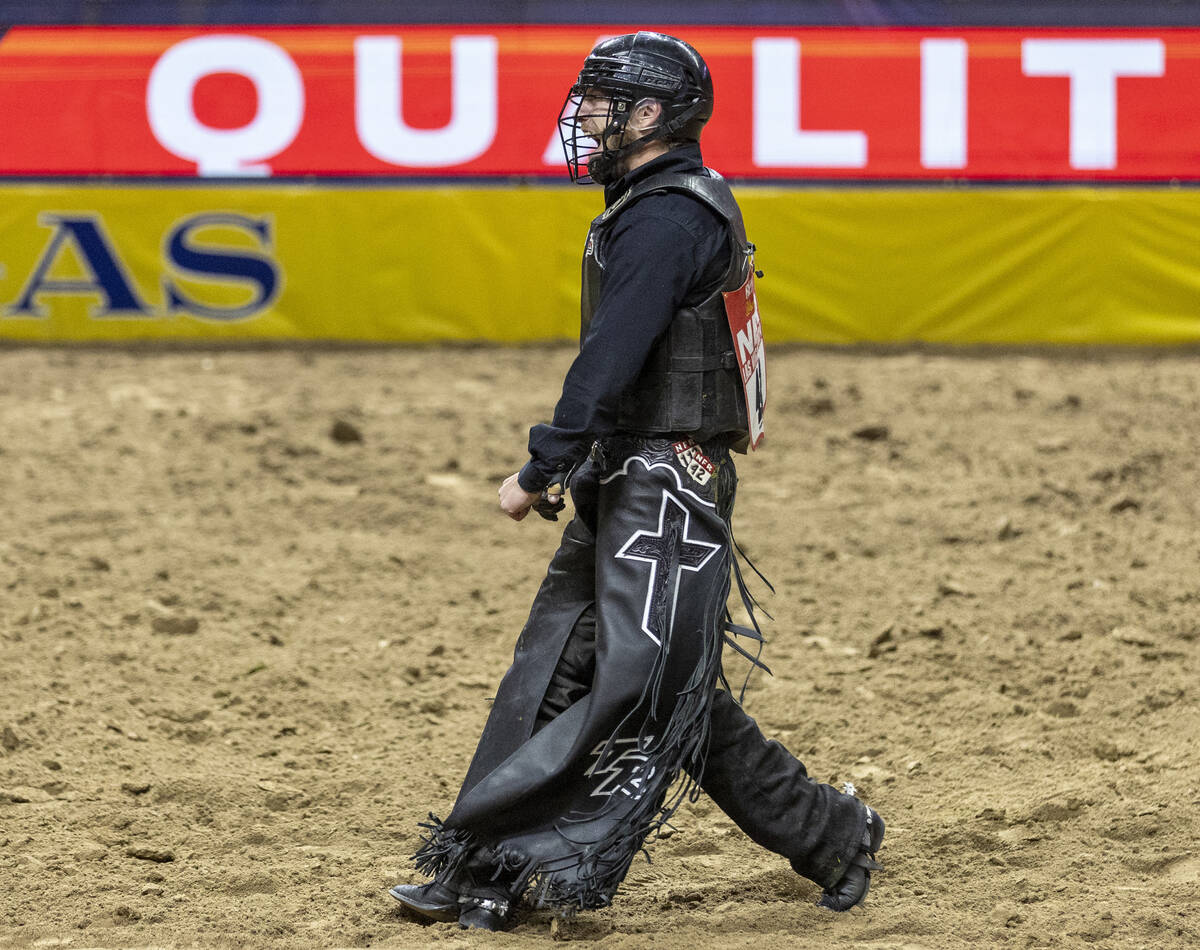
{"x": 764, "y": 789}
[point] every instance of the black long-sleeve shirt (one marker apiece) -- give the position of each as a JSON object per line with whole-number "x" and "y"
{"x": 666, "y": 251}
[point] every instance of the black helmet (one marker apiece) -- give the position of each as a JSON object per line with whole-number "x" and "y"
{"x": 625, "y": 70}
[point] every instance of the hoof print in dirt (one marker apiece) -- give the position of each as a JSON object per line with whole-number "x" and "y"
{"x": 126, "y": 915}
{"x": 9, "y": 739}
{"x": 1063, "y": 709}
{"x": 176, "y": 626}
{"x": 875, "y": 433}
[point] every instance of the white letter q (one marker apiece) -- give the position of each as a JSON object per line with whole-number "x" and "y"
{"x": 280, "y": 112}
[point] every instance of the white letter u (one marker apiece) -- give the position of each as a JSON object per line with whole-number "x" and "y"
{"x": 378, "y": 104}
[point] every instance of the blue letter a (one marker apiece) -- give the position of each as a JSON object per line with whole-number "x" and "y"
{"x": 108, "y": 277}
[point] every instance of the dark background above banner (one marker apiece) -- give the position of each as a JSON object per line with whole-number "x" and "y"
{"x": 722, "y": 12}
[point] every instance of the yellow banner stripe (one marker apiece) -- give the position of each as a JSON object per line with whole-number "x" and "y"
{"x": 430, "y": 263}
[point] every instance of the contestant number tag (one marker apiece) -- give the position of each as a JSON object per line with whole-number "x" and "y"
{"x": 741, "y": 307}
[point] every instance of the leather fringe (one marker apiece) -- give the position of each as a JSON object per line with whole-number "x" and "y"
{"x": 444, "y": 852}
{"x": 751, "y": 605}
{"x": 678, "y": 749}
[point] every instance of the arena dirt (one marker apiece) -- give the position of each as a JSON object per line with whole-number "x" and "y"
{"x": 253, "y": 605}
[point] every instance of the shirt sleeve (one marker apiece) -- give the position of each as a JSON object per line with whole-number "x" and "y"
{"x": 652, "y": 260}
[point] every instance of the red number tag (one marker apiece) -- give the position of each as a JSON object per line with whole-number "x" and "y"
{"x": 741, "y": 307}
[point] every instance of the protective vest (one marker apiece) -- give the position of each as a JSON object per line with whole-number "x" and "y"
{"x": 690, "y": 383}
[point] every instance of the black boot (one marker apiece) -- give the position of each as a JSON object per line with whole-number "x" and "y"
{"x": 433, "y": 901}
{"x": 489, "y": 895}
{"x": 490, "y": 912}
{"x": 853, "y": 885}
{"x": 485, "y": 914}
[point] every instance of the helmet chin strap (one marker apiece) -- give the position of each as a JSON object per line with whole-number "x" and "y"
{"x": 605, "y": 166}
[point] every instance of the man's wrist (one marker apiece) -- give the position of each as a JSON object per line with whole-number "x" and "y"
{"x": 530, "y": 479}
{"x": 533, "y": 480}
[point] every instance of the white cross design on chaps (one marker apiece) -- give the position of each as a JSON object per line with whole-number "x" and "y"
{"x": 668, "y": 552}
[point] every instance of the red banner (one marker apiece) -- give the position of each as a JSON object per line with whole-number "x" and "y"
{"x": 483, "y": 100}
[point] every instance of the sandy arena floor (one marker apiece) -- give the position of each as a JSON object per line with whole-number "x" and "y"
{"x": 242, "y": 657}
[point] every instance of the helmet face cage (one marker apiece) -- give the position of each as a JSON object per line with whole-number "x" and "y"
{"x": 581, "y": 148}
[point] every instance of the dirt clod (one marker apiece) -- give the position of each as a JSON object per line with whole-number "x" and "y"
{"x": 872, "y": 433}
{"x": 345, "y": 433}
{"x": 147, "y": 853}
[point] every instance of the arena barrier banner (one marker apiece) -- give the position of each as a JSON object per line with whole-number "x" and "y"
{"x": 474, "y": 101}
{"x": 422, "y": 264}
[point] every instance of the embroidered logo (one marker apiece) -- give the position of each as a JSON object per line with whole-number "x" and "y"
{"x": 625, "y": 773}
{"x": 669, "y": 551}
{"x": 694, "y": 461}
{"x": 615, "y": 206}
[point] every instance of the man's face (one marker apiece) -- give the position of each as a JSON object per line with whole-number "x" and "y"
{"x": 593, "y": 113}
{"x": 586, "y": 126}
{"x": 594, "y": 116}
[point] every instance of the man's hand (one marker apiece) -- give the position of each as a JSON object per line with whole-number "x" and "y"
{"x": 515, "y": 501}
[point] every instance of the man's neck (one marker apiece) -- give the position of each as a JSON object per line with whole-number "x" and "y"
{"x": 648, "y": 154}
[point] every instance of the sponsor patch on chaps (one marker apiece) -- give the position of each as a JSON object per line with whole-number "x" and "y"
{"x": 694, "y": 461}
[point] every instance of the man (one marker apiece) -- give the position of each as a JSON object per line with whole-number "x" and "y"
{"x": 613, "y": 692}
